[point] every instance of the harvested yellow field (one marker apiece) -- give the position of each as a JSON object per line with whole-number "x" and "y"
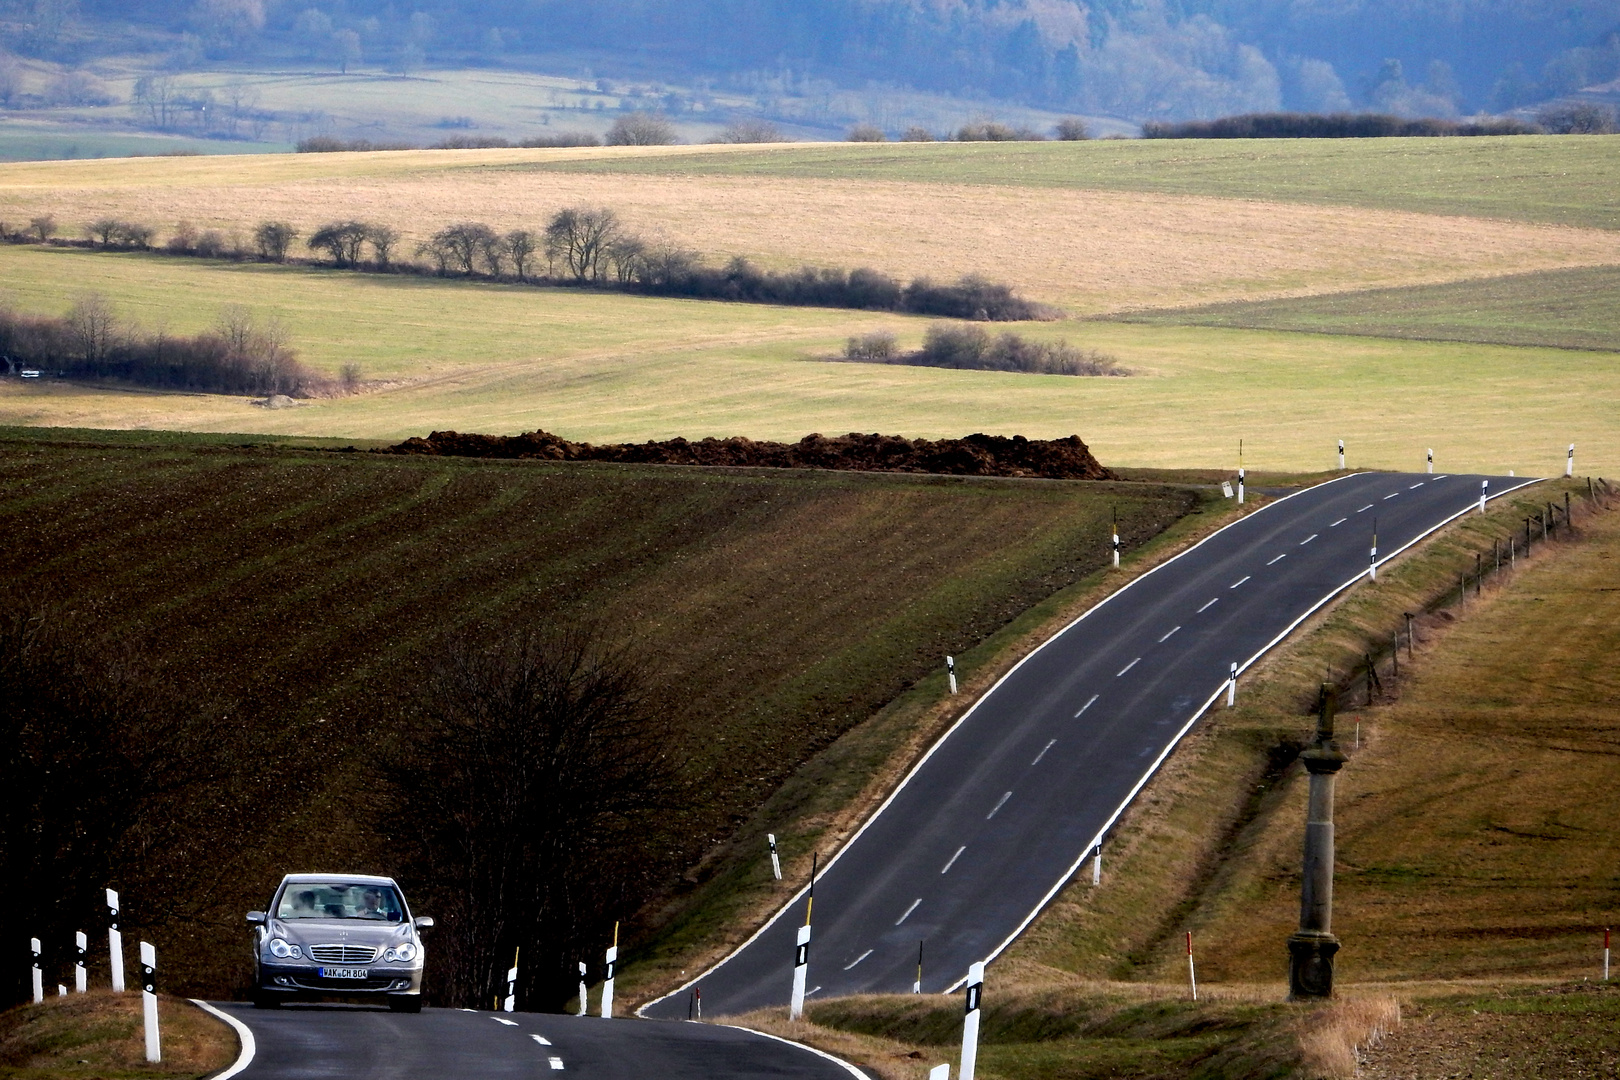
{"x": 1089, "y": 250}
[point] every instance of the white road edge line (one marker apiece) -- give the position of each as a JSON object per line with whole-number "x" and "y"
{"x": 1219, "y": 691}
{"x": 541, "y": 1039}
{"x": 1207, "y": 605}
{"x": 556, "y": 1063}
{"x": 953, "y": 858}
{"x": 1240, "y": 581}
{"x": 999, "y": 804}
{"x": 244, "y": 1035}
{"x": 1053, "y": 742}
{"x": 1084, "y": 707}
{"x": 868, "y": 952}
{"x": 1308, "y": 539}
{"x": 897, "y": 922}
{"x": 921, "y": 762}
{"x": 840, "y": 1062}
{"x": 1167, "y": 636}
{"x": 1278, "y": 559}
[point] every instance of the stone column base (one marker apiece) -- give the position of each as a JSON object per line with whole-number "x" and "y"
{"x": 1310, "y": 965}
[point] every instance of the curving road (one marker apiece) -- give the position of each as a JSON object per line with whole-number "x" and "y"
{"x": 1002, "y": 811}
{"x": 335, "y": 1042}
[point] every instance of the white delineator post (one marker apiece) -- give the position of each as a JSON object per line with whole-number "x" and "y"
{"x": 950, "y": 672}
{"x": 115, "y": 944}
{"x": 801, "y": 968}
{"x": 776, "y": 863}
{"x": 81, "y": 947}
{"x": 1569, "y": 462}
{"x": 970, "y": 1023}
{"x": 1241, "y": 473}
{"x": 607, "y": 984}
{"x": 1431, "y": 459}
{"x": 1116, "y": 543}
{"x": 1605, "y": 954}
{"x": 39, "y": 976}
{"x": 1096, "y": 865}
{"x": 940, "y": 1072}
{"x": 154, "y": 1049}
{"x": 1341, "y": 455}
{"x": 1372, "y": 565}
{"x": 1231, "y": 700}
{"x": 1484, "y": 490}
{"x": 1192, "y": 973}
{"x": 510, "y": 1004}
{"x": 584, "y": 992}
{"x": 916, "y": 987}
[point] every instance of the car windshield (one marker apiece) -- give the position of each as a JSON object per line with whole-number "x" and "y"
{"x": 340, "y": 900}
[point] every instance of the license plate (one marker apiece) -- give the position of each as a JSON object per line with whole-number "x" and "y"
{"x": 344, "y": 973}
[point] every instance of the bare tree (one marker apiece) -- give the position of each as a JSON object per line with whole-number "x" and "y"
{"x": 460, "y": 246}
{"x": 160, "y": 96}
{"x": 341, "y": 240}
{"x": 492, "y": 249}
{"x": 751, "y": 131}
{"x": 580, "y": 238}
{"x": 346, "y": 43}
{"x": 43, "y": 227}
{"x": 664, "y": 263}
{"x": 865, "y": 133}
{"x": 92, "y": 326}
{"x": 917, "y": 134}
{"x": 134, "y": 234}
{"x": 641, "y": 129}
{"x": 534, "y": 765}
{"x": 1072, "y": 129}
{"x": 383, "y": 239}
{"x": 272, "y": 238}
{"x": 521, "y": 247}
{"x": 624, "y": 254}
{"x": 183, "y": 241}
{"x": 102, "y": 229}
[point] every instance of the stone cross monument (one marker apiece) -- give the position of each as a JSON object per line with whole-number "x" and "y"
{"x": 1311, "y": 947}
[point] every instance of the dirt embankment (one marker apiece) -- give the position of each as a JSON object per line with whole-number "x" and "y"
{"x": 975, "y": 455}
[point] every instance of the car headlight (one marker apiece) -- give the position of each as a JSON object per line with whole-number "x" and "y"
{"x": 402, "y": 953}
{"x": 281, "y": 950}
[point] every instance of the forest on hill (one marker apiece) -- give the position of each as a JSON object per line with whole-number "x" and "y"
{"x": 1129, "y": 58}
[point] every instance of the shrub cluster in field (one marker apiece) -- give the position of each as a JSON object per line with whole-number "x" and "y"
{"x": 1069, "y": 129}
{"x": 580, "y": 246}
{"x": 970, "y": 347}
{"x": 1329, "y": 126}
{"x": 240, "y": 355}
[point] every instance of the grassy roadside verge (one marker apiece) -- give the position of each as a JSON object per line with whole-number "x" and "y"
{"x": 98, "y": 1036}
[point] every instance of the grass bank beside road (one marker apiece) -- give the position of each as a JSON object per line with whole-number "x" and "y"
{"x": 98, "y": 1036}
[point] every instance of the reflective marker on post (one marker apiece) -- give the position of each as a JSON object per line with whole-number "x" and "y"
{"x": 154, "y": 1049}
{"x": 1096, "y": 865}
{"x": 1231, "y": 699}
{"x": 1569, "y": 462}
{"x": 1115, "y": 528}
{"x": 1431, "y": 459}
{"x": 916, "y": 987}
{"x": 584, "y": 992}
{"x": 801, "y": 965}
{"x": 1484, "y": 490}
{"x": 970, "y": 1024}
{"x": 950, "y": 672}
{"x": 1341, "y": 455}
{"x": 81, "y": 948}
{"x": 1241, "y": 476}
{"x": 776, "y": 863}
{"x": 1192, "y": 975}
{"x": 115, "y": 944}
{"x": 39, "y": 976}
{"x": 1372, "y": 568}
{"x": 1605, "y": 954}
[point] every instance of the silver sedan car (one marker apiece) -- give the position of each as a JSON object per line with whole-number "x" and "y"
{"x": 338, "y": 935}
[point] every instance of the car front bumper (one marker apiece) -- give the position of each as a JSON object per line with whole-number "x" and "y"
{"x": 306, "y": 978}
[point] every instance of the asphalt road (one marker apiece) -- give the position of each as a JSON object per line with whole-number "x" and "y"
{"x": 1001, "y": 812}
{"x": 335, "y": 1042}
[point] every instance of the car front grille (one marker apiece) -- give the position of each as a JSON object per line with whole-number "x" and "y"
{"x": 342, "y": 954}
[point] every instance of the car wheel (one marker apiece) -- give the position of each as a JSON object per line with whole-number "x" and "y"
{"x": 404, "y": 1004}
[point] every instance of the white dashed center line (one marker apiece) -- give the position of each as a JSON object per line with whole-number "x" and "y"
{"x": 1128, "y": 667}
{"x": 1050, "y": 744}
{"x": 999, "y": 804}
{"x": 1336, "y": 524}
{"x": 1167, "y": 636}
{"x": 868, "y": 952}
{"x": 903, "y": 917}
{"x": 1415, "y": 486}
{"x": 1391, "y": 495}
{"x": 1086, "y": 706}
{"x": 1442, "y": 476}
{"x": 556, "y": 1063}
{"x": 1208, "y": 605}
{"x": 508, "y": 1023}
{"x": 1308, "y": 539}
{"x": 953, "y": 858}
{"x": 541, "y": 1039}
{"x": 1278, "y": 559}
{"x": 1240, "y": 581}
{"x": 1364, "y": 509}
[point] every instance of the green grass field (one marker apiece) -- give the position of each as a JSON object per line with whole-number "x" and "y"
{"x": 1566, "y": 309}
{"x": 600, "y": 367}
{"x": 1546, "y": 178}
{"x": 301, "y": 592}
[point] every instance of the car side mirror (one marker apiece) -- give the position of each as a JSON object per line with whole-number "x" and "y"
{"x": 255, "y": 918}
{"x": 424, "y": 923}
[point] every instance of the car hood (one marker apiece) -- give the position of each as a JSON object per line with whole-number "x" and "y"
{"x": 341, "y": 932}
